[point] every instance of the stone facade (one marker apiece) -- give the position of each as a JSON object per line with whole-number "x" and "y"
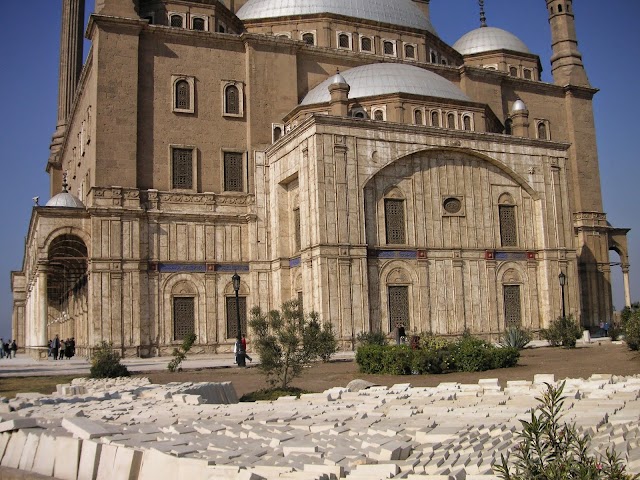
{"x": 194, "y": 156}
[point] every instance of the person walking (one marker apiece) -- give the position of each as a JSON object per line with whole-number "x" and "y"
{"x": 6, "y": 347}
{"x": 1, "y": 347}
{"x": 14, "y": 348}
{"x": 56, "y": 347}
{"x": 244, "y": 347}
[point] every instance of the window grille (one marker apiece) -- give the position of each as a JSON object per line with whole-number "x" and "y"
{"x": 394, "y": 221}
{"x": 451, "y": 121}
{"x": 176, "y": 21}
{"x": 309, "y": 38}
{"x": 508, "y": 228}
{"x": 233, "y": 172}
{"x": 410, "y": 51}
{"x": 183, "y": 317}
{"x": 182, "y": 168}
{"x": 435, "y": 119}
{"x": 512, "y": 306}
{"x": 198, "y": 24}
{"x": 513, "y": 71}
{"x": 297, "y": 229}
{"x": 417, "y": 117}
{"x": 378, "y": 115}
{"x": 527, "y": 74}
{"x": 343, "y": 40}
{"x": 232, "y": 318}
{"x": 183, "y": 95}
{"x": 398, "y": 307}
{"x": 232, "y": 100}
{"x": 388, "y": 48}
{"x": 542, "y": 131}
{"x": 366, "y": 45}
{"x": 467, "y": 122}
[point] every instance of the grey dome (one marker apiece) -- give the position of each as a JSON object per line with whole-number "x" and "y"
{"x": 487, "y": 39}
{"x": 338, "y": 79}
{"x": 388, "y": 78}
{"x": 518, "y": 106}
{"x": 65, "y": 199}
{"x": 397, "y": 12}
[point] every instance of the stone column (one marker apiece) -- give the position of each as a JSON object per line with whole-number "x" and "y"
{"x": 627, "y": 288}
{"x": 43, "y": 307}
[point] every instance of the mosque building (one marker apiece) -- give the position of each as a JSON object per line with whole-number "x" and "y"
{"x": 335, "y": 152}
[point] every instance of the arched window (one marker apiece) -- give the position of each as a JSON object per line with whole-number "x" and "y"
{"x": 309, "y": 38}
{"x": 359, "y": 114}
{"x": 451, "y": 121}
{"x": 508, "y": 126}
{"x": 394, "y": 221}
{"x": 343, "y": 40}
{"x": 417, "y": 117}
{"x": 389, "y": 48}
{"x": 434, "y": 57}
{"x": 508, "y": 224}
{"x": 543, "y": 133}
{"x": 435, "y": 119}
{"x": 183, "y": 317}
{"x": 513, "y": 71}
{"x": 183, "y": 95}
{"x": 559, "y": 8}
{"x": 277, "y": 133}
{"x": 527, "y": 74}
{"x": 232, "y": 100}
{"x": 198, "y": 24}
{"x": 366, "y": 45}
{"x": 409, "y": 51}
{"x": 378, "y": 115}
{"x": 466, "y": 122}
{"x": 177, "y": 21}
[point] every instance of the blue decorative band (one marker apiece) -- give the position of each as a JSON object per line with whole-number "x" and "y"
{"x": 408, "y": 254}
{"x": 294, "y": 262}
{"x": 511, "y": 256}
{"x": 241, "y": 267}
{"x": 182, "y": 267}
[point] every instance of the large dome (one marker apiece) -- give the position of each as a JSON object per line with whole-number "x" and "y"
{"x": 388, "y": 78}
{"x": 487, "y": 39}
{"x": 397, "y": 12}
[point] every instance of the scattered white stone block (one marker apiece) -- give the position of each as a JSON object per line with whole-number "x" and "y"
{"x": 542, "y": 378}
{"x": 89, "y": 460}
{"x": 45, "y": 456}
{"x": 67, "y": 451}
{"x": 84, "y": 428}
{"x": 18, "y": 424}
{"x": 29, "y": 452}
{"x": 13, "y": 452}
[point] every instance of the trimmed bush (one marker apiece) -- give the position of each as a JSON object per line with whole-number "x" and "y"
{"x": 631, "y": 329}
{"x": 369, "y": 358}
{"x": 563, "y": 331}
{"x": 396, "y": 360}
{"x": 105, "y": 363}
{"x": 429, "y": 361}
{"x": 371, "y": 338}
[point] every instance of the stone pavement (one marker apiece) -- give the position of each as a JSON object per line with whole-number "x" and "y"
{"x": 131, "y": 429}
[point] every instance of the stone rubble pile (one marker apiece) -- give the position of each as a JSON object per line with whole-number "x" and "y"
{"x": 131, "y": 429}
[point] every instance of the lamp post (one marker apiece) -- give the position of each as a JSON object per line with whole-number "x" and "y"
{"x": 562, "y": 278}
{"x": 240, "y": 360}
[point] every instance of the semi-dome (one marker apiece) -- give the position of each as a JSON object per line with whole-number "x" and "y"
{"x": 487, "y": 39}
{"x": 65, "y": 199}
{"x": 398, "y": 12}
{"x": 388, "y": 78}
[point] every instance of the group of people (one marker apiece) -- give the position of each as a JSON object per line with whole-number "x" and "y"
{"x": 61, "y": 349}
{"x": 7, "y": 348}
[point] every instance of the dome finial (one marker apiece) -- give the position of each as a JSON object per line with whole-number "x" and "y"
{"x": 65, "y": 185}
{"x": 483, "y": 16}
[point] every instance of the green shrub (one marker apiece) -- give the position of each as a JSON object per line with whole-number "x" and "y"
{"x": 320, "y": 339}
{"x": 180, "y": 354}
{"x": 431, "y": 361}
{"x": 369, "y": 358}
{"x": 631, "y": 330}
{"x": 505, "y": 357}
{"x": 397, "y": 360}
{"x": 472, "y": 355}
{"x": 371, "y": 338}
{"x": 563, "y": 331}
{"x": 515, "y": 337}
{"x": 434, "y": 342}
{"x": 549, "y": 449}
{"x": 105, "y": 362}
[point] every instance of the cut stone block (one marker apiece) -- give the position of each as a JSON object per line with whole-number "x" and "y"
{"x": 29, "y": 452}
{"x": 45, "y": 456}
{"x": 18, "y": 424}
{"x": 126, "y": 465}
{"x": 107, "y": 459}
{"x": 89, "y": 460}
{"x": 4, "y": 441}
{"x": 13, "y": 452}
{"x": 156, "y": 465}
{"x": 542, "y": 378}
{"x": 67, "y": 451}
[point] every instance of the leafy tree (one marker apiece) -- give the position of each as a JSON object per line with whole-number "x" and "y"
{"x": 180, "y": 354}
{"x": 105, "y": 362}
{"x": 551, "y": 450}
{"x": 564, "y": 331}
{"x": 287, "y": 342}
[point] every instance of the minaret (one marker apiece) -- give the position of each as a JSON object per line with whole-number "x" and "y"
{"x": 71, "y": 38}
{"x": 566, "y": 62}
{"x": 117, "y": 8}
{"x": 424, "y": 6}
{"x": 339, "y": 90}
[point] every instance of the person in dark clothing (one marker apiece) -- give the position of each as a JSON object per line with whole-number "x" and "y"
{"x": 7, "y": 349}
{"x": 14, "y": 348}
{"x": 244, "y": 347}
{"x": 1, "y": 347}
{"x": 56, "y": 347}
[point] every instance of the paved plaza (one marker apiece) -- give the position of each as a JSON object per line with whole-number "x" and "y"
{"x": 131, "y": 429}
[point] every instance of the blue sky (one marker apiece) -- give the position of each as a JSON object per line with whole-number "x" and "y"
{"x": 609, "y": 40}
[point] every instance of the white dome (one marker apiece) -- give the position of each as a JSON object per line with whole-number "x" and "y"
{"x": 396, "y": 12}
{"x": 388, "y": 78}
{"x": 487, "y": 39}
{"x": 518, "y": 106}
{"x": 65, "y": 199}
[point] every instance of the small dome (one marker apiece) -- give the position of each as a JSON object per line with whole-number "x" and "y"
{"x": 488, "y": 39}
{"x": 518, "y": 106}
{"x": 338, "y": 79}
{"x": 388, "y": 78}
{"x": 398, "y": 12}
{"x": 65, "y": 199}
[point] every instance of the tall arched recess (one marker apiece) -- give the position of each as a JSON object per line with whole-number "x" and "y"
{"x": 67, "y": 286}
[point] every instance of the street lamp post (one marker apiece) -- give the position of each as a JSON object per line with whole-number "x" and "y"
{"x": 240, "y": 359}
{"x": 562, "y": 278}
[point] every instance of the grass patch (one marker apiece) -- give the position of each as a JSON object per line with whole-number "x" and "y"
{"x": 272, "y": 394}
{"x": 9, "y": 386}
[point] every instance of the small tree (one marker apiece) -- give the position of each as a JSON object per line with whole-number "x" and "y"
{"x": 180, "y": 354}
{"x": 564, "y": 331}
{"x": 549, "y": 449}
{"x": 631, "y": 327}
{"x": 286, "y": 342}
{"x": 320, "y": 338}
{"x": 105, "y": 362}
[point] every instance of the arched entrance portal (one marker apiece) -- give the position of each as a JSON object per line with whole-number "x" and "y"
{"x": 67, "y": 280}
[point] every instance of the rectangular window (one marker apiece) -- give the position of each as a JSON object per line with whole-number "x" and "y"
{"x": 394, "y": 221}
{"x": 233, "y": 172}
{"x": 512, "y": 306}
{"x": 508, "y": 230}
{"x": 183, "y": 317}
{"x": 182, "y": 169}
{"x": 398, "y": 307}
{"x": 232, "y": 316}
{"x": 297, "y": 229}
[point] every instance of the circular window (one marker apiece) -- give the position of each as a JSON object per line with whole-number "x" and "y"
{"x": 452, "y": 205}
